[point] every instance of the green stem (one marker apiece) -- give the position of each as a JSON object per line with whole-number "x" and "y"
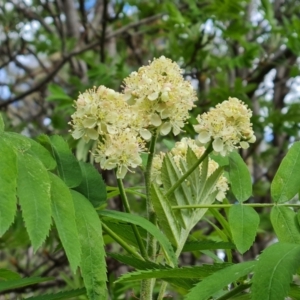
{"x": 162, "y": 290}
{"x": 121, "y": 242}
{"x": 229, "y": 205}
{"x": 190, "y": 171}
{"x": 235, "y": 291}
{"x": 134, "y": 227}
{"x": 147, "y": 285}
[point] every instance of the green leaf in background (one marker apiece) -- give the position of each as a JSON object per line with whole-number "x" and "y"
{"x": 240, "y": 178}
{"x": 206, "y": 245}
{"x": 144, "y": 223}
{"x": 18, "y": 283}
{"x": 2, "y": 127}
{"x": 217, "y": 281}
{"x": 166, "y": 218}
{"x": 34, "y": 196}
{"x": 67, "y": 166}
{"x": 92, "y": 185}
{"x": 8, "y": 275}
{"x": 286, "y": 182}
{"x": 93, "y": 265}
{"x": 60, "y": 295}
{"x": 273, "y": 271}
{"x": 243, "y": 221}
{"x": 64, "y": 217}
{"x": 285, "y": 224}
{"x": 8, "y": 186}
{"x": 42, "y": 154}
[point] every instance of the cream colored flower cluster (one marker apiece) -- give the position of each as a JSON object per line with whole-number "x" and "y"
{"x": 156, "y": 98}
{"x": 161, "y": 94}
{"x": 228, "y": 125}
{"x": 179, "y": 153}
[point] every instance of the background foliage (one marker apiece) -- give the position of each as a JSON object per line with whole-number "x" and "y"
{"x": 52, "y": 50}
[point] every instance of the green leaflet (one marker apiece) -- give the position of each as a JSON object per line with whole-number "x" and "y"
{"x": 185, "y": 272}
{"x": 286, "y": 227}
{"x": 92, "y": 185}
{"x": 64, "y": 217}
{"x": 191, "y": 159}
{"x": 17, "y": 283}
{"x": 137, "y": 220}
{"x": 217, "y": 281}
{"x": 67, "y": 166}
{"x": 243, "y": 222}
{"x": 240, "y": 178}
{"x": 206, "y": 245}
{"x": 93, "y": 265}
{"x": 170, "y": 174}
{"x": 8, "y": 186}
{"x": 60, "y": 295}
{"x": 273, "y": 271}
{"x": 165, "y": 215}
{"x": 8, "y": 275}
{"x": 34, "y": 196}
{"x": 285, "y": 184}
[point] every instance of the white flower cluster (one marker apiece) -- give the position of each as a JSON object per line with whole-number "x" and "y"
{"x": 228, "y": 125}
{"x": 179, "y": 153}
{"x": 156, "y": 98}
{"x": 161, "y": 94}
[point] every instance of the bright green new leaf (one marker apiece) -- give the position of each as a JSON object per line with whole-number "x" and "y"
{"x": 60, "y": 295}
{"x": 67, "y": 166}
{"x": 217, "y": 281}
{"x": 285, "y": 224}
{"x": 8, "y": 275}
{"x": 2, "y": 127}
{"x": 240, "y": 178}
{"x": 144, "y": 223}
{"x": 273, "y": 271}
{"x": 165, "y": 215}
{"x": 64, "y": 217}
{"x": 286, "y": 182}
{"x": 93, "y": 265}
{"x": 8, "y": 185}
{"x": 92, "y": 185}
{"x": 34, "y": 196}
{"x": 243, "y": 222}
{"x": 18, "y": 283}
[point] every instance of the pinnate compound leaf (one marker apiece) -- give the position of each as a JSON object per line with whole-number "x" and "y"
{"x": 93, "y": 266}
{"x": 243, "y": 222}
{"x": 64, "y": 217}
{"x": 240, "y": 178}
{"x": 144, "y": 223}
{"x": 18, "y": 283}
{"x": 217, "y": 281}
{"x": 273, "y": 271}
{"x": 67, "y": 166}
{"x": 60, "y": 295}
{"x": 165, "y": 215}
{"x": 286, "y": 227}
{"x": 286, "y": 182}
{"x": 34, "y": 197}
{"x": 92, "y": 185}
{"x": 8, "y": 186}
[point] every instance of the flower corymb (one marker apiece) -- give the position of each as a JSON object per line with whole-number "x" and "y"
{"x": 228, "y": 125}
{"x": 161, "y": 94}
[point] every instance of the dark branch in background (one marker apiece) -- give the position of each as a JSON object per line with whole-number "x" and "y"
{"x": 264, "y": 68}
{"x": 65, "y": 59}
{"x": 103, "y": 33}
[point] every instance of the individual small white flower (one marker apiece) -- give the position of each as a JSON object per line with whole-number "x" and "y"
{"x": 228, "y": 125}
